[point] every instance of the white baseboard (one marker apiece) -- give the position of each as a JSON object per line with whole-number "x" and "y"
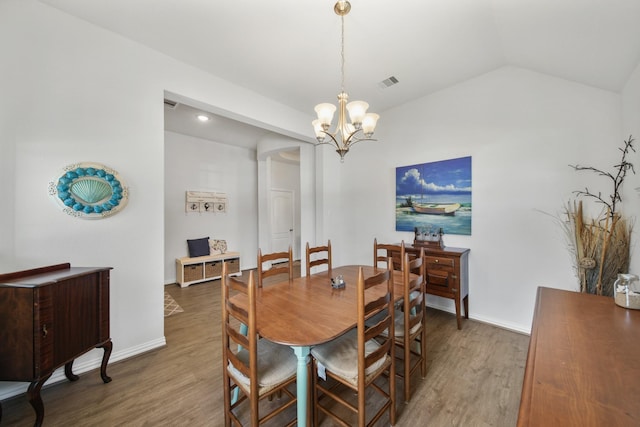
{"x": 490, "y": 321}
{"x": 88, "y": 362}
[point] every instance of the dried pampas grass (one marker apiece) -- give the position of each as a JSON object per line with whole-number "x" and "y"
{"x": 600, "y": 248}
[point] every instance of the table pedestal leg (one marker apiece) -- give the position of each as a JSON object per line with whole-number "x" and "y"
{"x": 302, "y": 352}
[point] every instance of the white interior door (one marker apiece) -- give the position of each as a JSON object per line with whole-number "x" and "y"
{"x": 282, "y": 220}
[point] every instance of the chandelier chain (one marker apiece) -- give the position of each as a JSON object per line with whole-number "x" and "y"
{"x": 342, "y": 52}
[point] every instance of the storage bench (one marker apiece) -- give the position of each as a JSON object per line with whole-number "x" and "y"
{"x": 201, "y": 269}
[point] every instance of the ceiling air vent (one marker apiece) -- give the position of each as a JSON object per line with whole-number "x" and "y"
{"x": 388, "y": 82}
{"x": 169, "y": 103}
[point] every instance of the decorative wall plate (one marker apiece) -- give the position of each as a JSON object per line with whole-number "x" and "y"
{"x": 89, "y": 190}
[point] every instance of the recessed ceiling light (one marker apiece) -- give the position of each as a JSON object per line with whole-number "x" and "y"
{"x": 203, "y": 117}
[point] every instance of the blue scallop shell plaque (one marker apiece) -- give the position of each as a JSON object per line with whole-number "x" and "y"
{"x": 89, "y": 190}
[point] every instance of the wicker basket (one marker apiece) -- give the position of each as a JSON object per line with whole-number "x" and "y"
{"x": 233, "y": 265}
{"x": 212, "y": 269}
{"x": 192, "y": 272}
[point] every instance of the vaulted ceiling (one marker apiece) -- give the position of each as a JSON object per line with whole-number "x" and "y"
{"x": 289, "y": 50}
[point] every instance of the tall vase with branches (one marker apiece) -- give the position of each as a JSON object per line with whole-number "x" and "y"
{"x": 601, "y": 246}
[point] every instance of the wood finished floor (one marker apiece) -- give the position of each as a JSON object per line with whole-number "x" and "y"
{"x": 474, "y": 377}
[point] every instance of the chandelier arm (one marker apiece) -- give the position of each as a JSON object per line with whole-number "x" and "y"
{"x": 352, "y": 140}
{"x": 333, "y": 141}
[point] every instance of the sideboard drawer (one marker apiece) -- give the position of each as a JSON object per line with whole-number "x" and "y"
{"x": 439, "y": 263}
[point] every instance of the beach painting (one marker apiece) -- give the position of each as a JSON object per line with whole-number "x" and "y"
{"x": 434, "y": 196}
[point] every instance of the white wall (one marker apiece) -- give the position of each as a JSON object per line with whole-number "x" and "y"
{"x": 631, "y": 187}
{"x": 74, "y": 92}
{"x": 522, "y": 130}
{"x": 201, "y": 165}
{"x": 9, "y": 117}
{"x": 331, "y": 212}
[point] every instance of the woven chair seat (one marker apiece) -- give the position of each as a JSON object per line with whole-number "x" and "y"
{"x": 276, "y": 364}
{"x": 340, "y": 356}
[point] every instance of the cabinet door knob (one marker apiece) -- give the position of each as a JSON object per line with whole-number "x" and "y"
{"x": 454, "y": 277}
{"x": 45, "y": 332}
{"x": 437, "y": 261}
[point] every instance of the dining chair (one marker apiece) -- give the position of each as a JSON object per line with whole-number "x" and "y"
{"x": 319, "y": 255}
{"x": 410, "y": 322}
{"x": 279, "y": 263}
{"x": 383, "y": 251}
{"x": 410, "y": 317}
{"x": 257, "y": 367}
{"x": 356, "y": 361}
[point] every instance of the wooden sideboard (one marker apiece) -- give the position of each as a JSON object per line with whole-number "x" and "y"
{"x": 447, "y": 275}
{"x": 583, "y": 364}
{"x": 49, "y": 317}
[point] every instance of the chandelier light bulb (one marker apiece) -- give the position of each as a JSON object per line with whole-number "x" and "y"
{"x": 357, "y": 110}
{"x": 325, "y": 114}
{"x": 319, "y": 131}
{"x": 369, "y": 124}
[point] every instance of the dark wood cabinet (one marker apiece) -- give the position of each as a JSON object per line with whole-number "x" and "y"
{"x": 447, "y": 275}
{"x": 49, "y": 316}
{"x": 582, "y": 366}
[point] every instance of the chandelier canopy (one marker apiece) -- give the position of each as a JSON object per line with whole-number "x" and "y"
{"x": 362, "y": 123}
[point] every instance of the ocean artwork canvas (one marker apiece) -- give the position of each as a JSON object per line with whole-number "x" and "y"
{"x": 434, "y": 196}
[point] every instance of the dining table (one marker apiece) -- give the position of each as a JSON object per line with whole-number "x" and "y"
{"x": 307, "y": 311}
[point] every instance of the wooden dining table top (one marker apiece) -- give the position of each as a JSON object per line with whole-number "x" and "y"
{"x": 307, "y": 311}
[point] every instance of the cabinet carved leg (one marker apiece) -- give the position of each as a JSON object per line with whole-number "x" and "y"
{"x": 108, "y": 346}
{"x": 68, "y": 371}
{"x": 33, "y": 392}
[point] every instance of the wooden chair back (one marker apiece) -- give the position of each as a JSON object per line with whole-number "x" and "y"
{"x": 414, "y": 312}
{"x": 382, "y": 252}
{"x": 233, "y": 317}
{"x": 382, "y": 284}
{"x": 375, "y": 299}
{"x": 240, "y": 336}
{"x": 368, "y": 307}
{"x": 279, "y": 263}
{"x": 319, "y": 255}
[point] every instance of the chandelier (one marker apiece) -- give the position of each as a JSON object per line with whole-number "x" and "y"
{"x": 362, "y": 123}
